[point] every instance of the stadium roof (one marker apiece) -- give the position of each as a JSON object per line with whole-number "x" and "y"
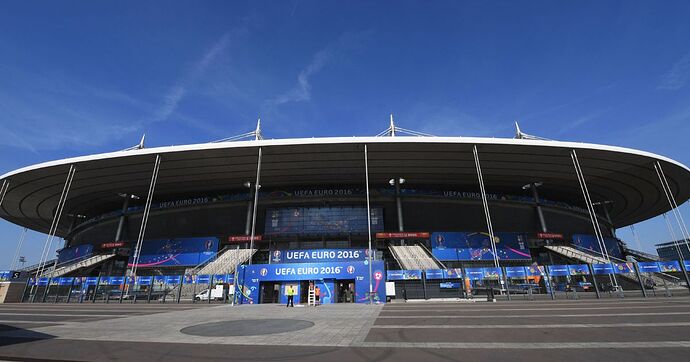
{"x": 621, "y": 175}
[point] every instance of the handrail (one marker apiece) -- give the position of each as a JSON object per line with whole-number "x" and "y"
{"x": 432, "y": 255}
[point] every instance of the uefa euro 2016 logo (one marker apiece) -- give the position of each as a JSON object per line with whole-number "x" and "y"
{"x": 351, "y": 269}
{"x": 276, "y": 253}
{"x": 263, "y": 272}
{"x": 378, "y": 275}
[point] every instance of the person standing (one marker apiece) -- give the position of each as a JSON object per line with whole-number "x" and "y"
{"x": 317, "y": 295}
{"x": 291, "y": 296}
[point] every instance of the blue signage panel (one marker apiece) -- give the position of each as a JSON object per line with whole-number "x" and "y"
{"x": 319, "y": 255}
{"x": 74, "y": 253}
{"x": 249, "y": 277}
{"x": 558, "y": 270}
{"x": 43, "y": 281}
{"x": 321, "y": 220}
{"x": 474, "y": 273}
{"x": 435, "y": 274}
{"x": 477, "y": 246}
{"x": 146, "y": 280}
{"x": 649, "y": 267}
{"x": 579, "y": 269}
{"x": 65, "y": 281}
{"x": 453, "y": 273}
{"x": 91, "y": 281}
{"x": 624, "y": 268}
{"x": 404, "y": 275}
{"x": 221, "y": 278}
{"x": 203, "y": 279}
{"x": 449, "y": 285}
{"x": 516, "y": 272}
{"x": 176, "y": 252}
{"x": 172, "y": 279}
{"x": 590, "y": 243}
{"x": 535, "y": 270}
{"x": 687, "y": 264}
{"x": 603, "y": 269}
{"x": 669, "y": 266}
{"x": 116, "y": 280}
{"x": 492, "y": 273}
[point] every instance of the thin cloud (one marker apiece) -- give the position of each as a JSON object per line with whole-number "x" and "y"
{"x": 580, "y": 121}
{"x": 678, "y": 76}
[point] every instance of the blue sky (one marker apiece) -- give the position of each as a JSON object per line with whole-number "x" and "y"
{"x": 85, "y": 77}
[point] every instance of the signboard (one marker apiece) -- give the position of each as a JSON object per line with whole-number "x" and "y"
{"x": 434, "y": 274}
{"x": 250, "y": 276}
{"x": 492, "y": 273}
{"x": 453, "y": 273}
{"x": 545, "y": 236}
{"x": 74, "y": 253}
{"x": 580, "y": 269}
{"x": 474, "y": 273}
{"x": 243, "y": 238}
{"x": 449, "y": 285}
{"x": 649, "y": 267}
{"x": 669, "y": 266}
{"x": 146, "y": 280}
{"x": 403, "y": 235}
{"x": 624, "y": 268}
{"x": 176, "y": 252}
{"x": 558, "y": 270}
{"x": 116, "y": 280}
{"x": 404, "y": 275}
{"x": 322, "y": 220}
{"x": 203, "y": 279}
{"x": 172, "y": 279}
{"x": 516, "y": 272}
{"x": 456, "y": 246}
{"x": 43, "y": 281}
{"x": 65, "y": 281}
{"x": 319, "y": 255}
{"x": 535, "y": 270}
{"x": 603, "y": 269}
{"x": 113, "y": 245}
{"x": 91, "y": 281}
{"x": 591, "y": 244}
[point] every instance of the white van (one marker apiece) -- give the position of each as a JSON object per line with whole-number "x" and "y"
{"x": 216, "y": 293}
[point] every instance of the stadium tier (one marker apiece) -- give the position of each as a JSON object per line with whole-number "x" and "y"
{"x": 428, "y": 206}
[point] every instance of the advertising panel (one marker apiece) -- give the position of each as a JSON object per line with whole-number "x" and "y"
{"x": 457, "y": 246}
{"x": 203, "y": 279}
{"x": 65, "y": 281}
{"x": 449, "y": 285}
{"x": 172, "y": 279}
{"x": 558, "y": 270}
{"x": 624, "y": 268}
{"x": 516, "y": 272}
{"x": 649, "y": 267}
{"x": 144, "y": 280}
{"x": 116, "y": 280}
{"x": 319, "y": 255}
{"x": 322, "y": 220}
{"x": 580, "y": 269}
{"x": 91, "y": 281}
{"x": 250, "y": 276}
{"x": 474, "y": 273}
{"x": 434, "y": 274}
{"x": 535, "y": 270}
{"x": 74, "y": 253}
{"x": 176, "y": 252}
{"x": 603, "y": 269}
{"x": 669, "y": 266}
{"x": 589, "y": 243}
{"x": 404, "y": 275}
{"x": 453, "y": 273}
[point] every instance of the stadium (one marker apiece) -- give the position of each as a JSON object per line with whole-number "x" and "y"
{"x": 363, "y": 218}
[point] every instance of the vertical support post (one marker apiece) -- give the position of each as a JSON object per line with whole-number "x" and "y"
{"x": 485, "y": 202}
{"x": 398, "y": 204}
{"x": 424, "y": 285}
{"x": 639, "y": 279}
{"x": 210, "y": 284}
{"x": 366, "y": 176}
{"x": 3, "y": 190}
{"x": 505, "y": 281}
{"x": 69, "y": 292}
{"x": 15, "y": 258}
{"x": 144, "y": 221}
{"x": 537, "y": 203}
{"x": 549, "y": 283}
{"x": 26, "y": 286}
{"x": 95, "y": 289}
{"x": 179, "y": 291}
{"x": 45, "y": 292}
{"x": 151, "y": 286}
{"x": 121, "y": 221}
{"x": 594, "y": 280}
{"x": 257, "y": 186}
{"x": 55, "y": 223}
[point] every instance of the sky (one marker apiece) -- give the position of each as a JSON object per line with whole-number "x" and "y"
{"x": 84, "y": 77}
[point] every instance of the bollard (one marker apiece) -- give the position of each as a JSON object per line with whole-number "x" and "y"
{"x": 639, "y": 279}
{"x": 594, "y": 281}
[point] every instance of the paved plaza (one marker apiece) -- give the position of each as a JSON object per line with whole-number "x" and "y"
{"x": 631, "y": 328}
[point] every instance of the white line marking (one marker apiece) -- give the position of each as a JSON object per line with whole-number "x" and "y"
{"x": 534, "y": 315}
{"x": 560, "y": 345}
{"x": 535, "y": 326}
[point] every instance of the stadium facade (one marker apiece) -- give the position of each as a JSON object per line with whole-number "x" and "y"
{"x": 347, "y": 214}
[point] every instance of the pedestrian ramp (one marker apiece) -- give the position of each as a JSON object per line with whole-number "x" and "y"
{"x": 414, "y": 257}
{"x": 84, "y": 263}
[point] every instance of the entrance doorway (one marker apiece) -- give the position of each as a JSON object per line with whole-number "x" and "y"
{"x": 270, "y": 292}
{"x": 345, "y": 291}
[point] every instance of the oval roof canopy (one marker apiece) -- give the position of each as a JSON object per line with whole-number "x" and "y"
{"x": 626, "y": 177}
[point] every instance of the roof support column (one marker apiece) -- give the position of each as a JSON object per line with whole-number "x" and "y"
{"x": 3, "y": 190}
{"x": 144, "y": 223}
{"x": 679, "y": 219}
{"x": 121, "y": 221}
{"x": 15, "y": 258}
{"x": 366, "y": 177}
{"x": 398, "y": 205}
{"x": 592, "y": 214}
{"x": 54, "y": 224}
{"x": 257, "y": 186}
{"x": 485, "y": 202}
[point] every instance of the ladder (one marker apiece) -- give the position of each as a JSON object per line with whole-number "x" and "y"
{"x": 311, "y": 298}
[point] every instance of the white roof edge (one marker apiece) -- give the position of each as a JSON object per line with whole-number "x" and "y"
{"x": 342, "y": 140}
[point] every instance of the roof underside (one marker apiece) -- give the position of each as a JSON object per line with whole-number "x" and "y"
{"x": 624, "y": 176}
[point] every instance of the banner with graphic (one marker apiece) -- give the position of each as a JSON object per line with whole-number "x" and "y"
{"x": 250, "y": 276}
{"x": 322, "y": 220}
{"x": 456, "y": 246}
{"x": 319, "y": 255}
{"x": 74, "y": 253}
{"x": 176, "y": 252}
{"x": 404, "y": 275}
{"x": 590, "y": 244}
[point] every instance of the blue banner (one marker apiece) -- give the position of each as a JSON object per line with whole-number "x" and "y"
{"x": 474, "y": 273}
{"x": 176, "y": 252}
{"x": 65, "y": 281}
{"x": 590, "y": 244}
{"x": 458, "y": 246}
{"x": 91, "y": 281}
{"x": 516, "y": 272}
{"x": 250, "y": 276}
{"x": 173, "y": 279}
{"x": 492, "y": 273}
{"x": 146, "y": 280}
{"x": 579, "y": 269}
{"x": 74, "y": 253}
{"x": 449, "y": 285}
{"x": 669, "y": 266}
{"x": 404, "y": 275}
{"x": 558, "y": 270}
{"x": 43, "y": 281}
{"x": 434, "y": 274}
{"x": 319, "y": 255}
{"x": 203, "y": 279}
{"x": 221, "y": 278}
{"x": 535, "y": 270}
{"x": 649, "y": 267}
{"x": 624, "y": 268}
{"x": 603, "y": 269}
{"x": 453, "y": 273}
{"x": 321, "y": 220}
{"x": 116, "y": 280}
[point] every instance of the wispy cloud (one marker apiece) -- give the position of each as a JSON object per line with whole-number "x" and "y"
{"x": 678, "y": 76}
{"x": 579, "y": 121}
{"x": 302, "y": 88}
{"x": 178, "y": 91}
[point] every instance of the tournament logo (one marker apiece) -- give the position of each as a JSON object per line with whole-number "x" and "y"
{"x": 351, "y": 269}
{"x": 277, "y": 253}
{"x": 378, "y": 275}
{"x": 263, "y": 272}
